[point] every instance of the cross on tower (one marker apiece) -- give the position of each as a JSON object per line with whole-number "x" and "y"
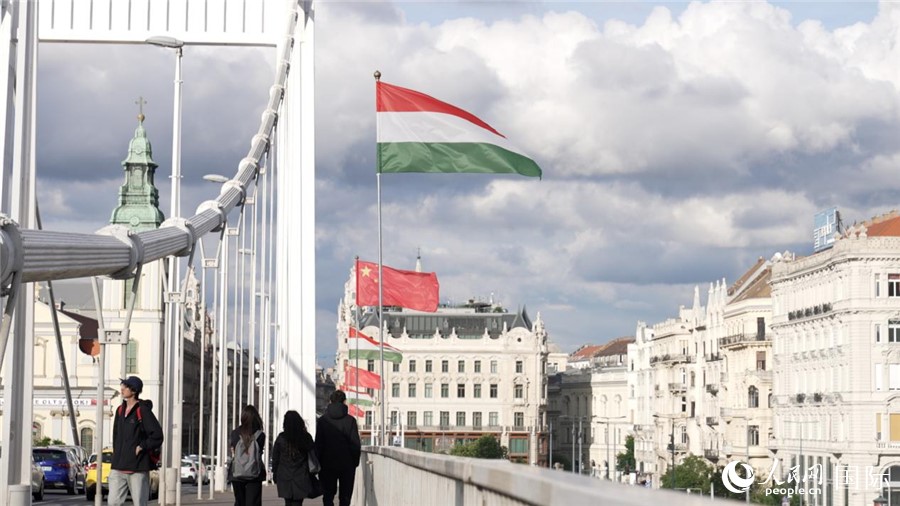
{"x": 140, "y": 103}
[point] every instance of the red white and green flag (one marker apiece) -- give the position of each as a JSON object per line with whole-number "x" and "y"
{"x": 360, "y": 398}
{"x": 418, "y": 133}
{"x": 364, "y": 347}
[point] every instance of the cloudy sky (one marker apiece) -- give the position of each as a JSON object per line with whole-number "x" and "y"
{"x": 679, "y": 142}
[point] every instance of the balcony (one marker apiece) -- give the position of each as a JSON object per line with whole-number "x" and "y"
{"x": 712, "y": 389}
{"x": 711, "y": 454}
{"x": 712, "y": 421}
{"x": 763, "y": 375}
{"x": 741, "y": 340}
{"x": 671, "y": 359}
{"x": 677, "y": 387}
{"x": 888, "y": 445}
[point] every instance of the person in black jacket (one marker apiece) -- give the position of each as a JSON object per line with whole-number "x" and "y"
{"x": 290, "y": 460}
{"x": 137, "y": 436}
{"x": 248, "y": 492}
{"x": 338, "y": 448}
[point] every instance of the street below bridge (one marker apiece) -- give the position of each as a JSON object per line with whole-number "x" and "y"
{"x": 188, "y": 496}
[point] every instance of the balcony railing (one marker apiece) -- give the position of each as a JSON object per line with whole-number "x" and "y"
{"x": 711, "y": 453}
{"x": 884, "y": 445}
{"x": 739, "y": 339}
{"x": 712, "y": 420}
{"x": 712, "y": 388}
{"x": 677, "y": 387}
{"x": 673, "y": 359}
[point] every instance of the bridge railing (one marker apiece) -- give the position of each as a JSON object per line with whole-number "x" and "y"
{"x": 398, "y": 476}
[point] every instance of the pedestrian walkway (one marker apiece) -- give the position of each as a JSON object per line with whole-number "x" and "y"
{"x": 270, "y": 498}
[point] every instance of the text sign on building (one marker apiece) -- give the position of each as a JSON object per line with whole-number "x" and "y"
{"x": 825, "y": 225}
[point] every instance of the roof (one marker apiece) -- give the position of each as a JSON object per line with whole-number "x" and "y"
{"x": 886, "y": 225}
{"x": 746, "y": 276}
{"x": 759, "y": 287}
{"x": 585, "y": 352}
{"x": 467, "y": 325}
{"x": 618, "y": 346}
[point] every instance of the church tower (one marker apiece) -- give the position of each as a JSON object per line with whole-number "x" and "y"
{"x": 138, "y": 197}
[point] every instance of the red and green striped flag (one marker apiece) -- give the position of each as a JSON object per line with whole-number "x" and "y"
{"x": 418, "y": 133}
{"x": 364, "y": 347}
{"x": 359, "y": 398}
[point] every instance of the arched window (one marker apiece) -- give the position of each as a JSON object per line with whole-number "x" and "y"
{"x": 87, "y": 439}
{"x": 753, "y": 397}
{"x": 892, "y": 487}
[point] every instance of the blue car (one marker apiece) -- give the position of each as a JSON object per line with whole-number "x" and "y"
{"x": 60, "y": 468}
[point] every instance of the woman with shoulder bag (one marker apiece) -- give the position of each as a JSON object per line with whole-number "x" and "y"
{"x": 294, "y": 462}
{"x": 247, "y": 470}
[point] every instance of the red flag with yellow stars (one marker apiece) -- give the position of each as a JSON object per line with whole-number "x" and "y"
{"x": 409, "y": 289}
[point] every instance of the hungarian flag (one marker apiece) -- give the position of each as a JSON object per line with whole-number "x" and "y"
{"x": 364, "y": 347}
{"x": 359, "y": 398}
{"x": 409, "y": 289}
{"x": 359, "y": 378}
{"x": 418, "y": 133}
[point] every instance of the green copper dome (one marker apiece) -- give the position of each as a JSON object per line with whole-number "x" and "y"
{"x": 139, "y": 149}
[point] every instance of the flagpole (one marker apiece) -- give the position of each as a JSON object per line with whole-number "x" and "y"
{"x": 358, "y": 330}
{"x": 380, "y": 265}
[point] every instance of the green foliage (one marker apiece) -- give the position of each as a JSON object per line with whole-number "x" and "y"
{"x": 625, "y": 461}
{"x": 693, "y": 473}
{"x": 485, "y": 447}
{"x": 46, "y": 441}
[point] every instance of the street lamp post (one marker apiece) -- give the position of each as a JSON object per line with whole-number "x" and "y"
{"x": 606, "y": 419}
{"x": 173, "y": 347}
{"x": 671, "y": 443}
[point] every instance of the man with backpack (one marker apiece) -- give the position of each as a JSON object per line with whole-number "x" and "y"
{"x": 338, "y": 448}
{"x": 137, "y": 438}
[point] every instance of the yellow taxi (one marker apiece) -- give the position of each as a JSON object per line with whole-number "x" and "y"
{"x": 90, "y": 480}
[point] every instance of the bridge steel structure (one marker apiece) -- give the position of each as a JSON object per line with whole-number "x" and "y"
{"x": 285, "y": 135}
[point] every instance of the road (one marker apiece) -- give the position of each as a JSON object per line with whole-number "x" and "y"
{"x": 60, "y": 498}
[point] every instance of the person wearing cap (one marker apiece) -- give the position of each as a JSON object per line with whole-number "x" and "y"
{"x": 136, "y": 437}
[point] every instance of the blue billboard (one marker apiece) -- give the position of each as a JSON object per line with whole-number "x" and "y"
{"x": 825, "y": 225}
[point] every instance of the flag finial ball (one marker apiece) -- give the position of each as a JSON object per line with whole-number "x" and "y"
{"x": 377, "y": 75}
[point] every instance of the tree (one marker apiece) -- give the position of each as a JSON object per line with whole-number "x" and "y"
{"x": 693, "y": 473}
{"x": 485, "y": 447}
{"x": 625, "y": 461}
{"x": 46, "y": 441}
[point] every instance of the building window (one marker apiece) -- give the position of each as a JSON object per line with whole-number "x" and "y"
{"x": 445, "y": 390}
{"x": 476, "y": 419}
{"x": 753, "y": 435}
{"x": 460, "y": 418}
{"x": 478, "y": 366}
{"x": 760, "y": 361}
{"x": 476, "y": 390}
{"x": 519, "y": 367}
{"x": 412, "y": 366}
{"x": 393, "y": 419}
{"x": 518, "y": 391}
{"x": 894, "y": 376}
{"x": 684, "y": 404}
{"x": 879, "y": 377}
{"x": 753, "y": 397}
{"x": 893, "y": 285}
{"x": 427, "y": 419}
{"x": 492, "y": 419}
{"x": 445, "y": 419}
{"x": 412, "y": 390}
{"x": 445, "y": 366}
{"x": 87, "y": 439}
{"x": 370, "y": 365}
{"x": 877, "y": 332}
{"x": 395, "y": 389}
{"x": 410, "y": 418}
{"x": 493, "y": 390}
{"x": 395, "y": 367}
{"x": 428, "y": 366}
{"x": 878, "y": 285}
{"x": 131, "y": 357}
{"x": 429, "y": 390}
{"x": 461, "y": 366}
{"x": 369, "y": 418}
{"x": 460, "y": 390}
{"x": 493, "y": 367}
{"x": 519, "y": 419}
{"x": 894, "y": 330}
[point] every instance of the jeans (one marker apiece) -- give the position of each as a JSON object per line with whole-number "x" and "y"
{"x": 330, "y": 479}
{"x": 120, "y": 483}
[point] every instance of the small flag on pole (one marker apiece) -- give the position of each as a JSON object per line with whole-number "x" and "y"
{"x": 355, "y": 411}
{"x": 359, "y": 378}
{"x": 360, "y": 398}
{"x": 364, "y": 347}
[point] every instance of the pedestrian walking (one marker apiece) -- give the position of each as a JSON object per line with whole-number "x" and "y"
{"x": 291, "y": 455}
{"x": 137, "y": 438}
{"x": 338, "y": 448}
{"x": 247, "y": 470}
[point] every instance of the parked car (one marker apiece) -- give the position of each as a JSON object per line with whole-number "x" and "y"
{"x": 190, "y": 471}
{"x": 37, "y": 481}
{"x": 204, "y": 469}
{"x": 60, "y": 468}
{"x": 91, "y": 478}
{"x": 79, "y": 457}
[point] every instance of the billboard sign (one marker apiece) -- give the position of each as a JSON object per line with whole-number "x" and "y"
{"x": 825, "y": 225}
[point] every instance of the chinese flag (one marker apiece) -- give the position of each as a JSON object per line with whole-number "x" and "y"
{"x": 409, "y": 289}
{"x": 359, "y": 378}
